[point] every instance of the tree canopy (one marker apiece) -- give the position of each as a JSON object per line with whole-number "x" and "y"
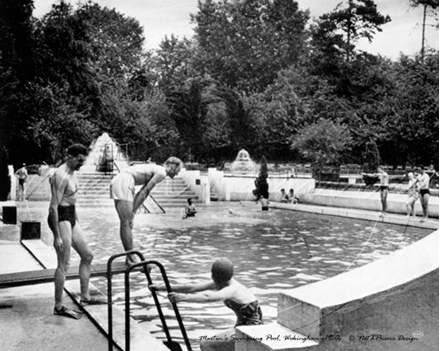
{"x": 257, "y": 74}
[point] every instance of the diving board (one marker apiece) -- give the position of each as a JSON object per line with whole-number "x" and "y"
{"x": 47, "y": 275}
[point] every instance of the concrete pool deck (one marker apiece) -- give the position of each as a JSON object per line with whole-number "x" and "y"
{"x": 27, "y": 317}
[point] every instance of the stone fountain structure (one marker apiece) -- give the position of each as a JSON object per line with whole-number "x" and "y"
{"x": 242, "y": 164}
{"x": 104, "y": 151}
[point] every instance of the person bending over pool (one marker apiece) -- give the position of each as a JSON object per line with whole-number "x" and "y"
{"x": 222, "y": 287}
{"x": 383, "y": 186}
{"x": 67, "y": 232}
{"x": 127, "y": 202}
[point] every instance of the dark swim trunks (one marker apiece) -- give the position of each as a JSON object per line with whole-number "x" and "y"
{"x": 423, "y": 192}
{"x": 384, "y": 187}
{"x": 21, "y": 181}
{"x": 67, "y": 213}
{"x": 247, "y": 314}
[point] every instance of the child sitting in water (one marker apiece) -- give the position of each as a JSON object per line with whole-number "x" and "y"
{"x": 190, "y": 209}
{"x": 222, "y": 287}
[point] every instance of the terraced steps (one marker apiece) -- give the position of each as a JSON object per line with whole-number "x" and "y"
{"x": 94, "y": 191}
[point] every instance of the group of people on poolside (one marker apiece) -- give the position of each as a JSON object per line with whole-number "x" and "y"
{"x": 289, "y": 198}
{"x": 63, "y": 222}
{"x": 418, "y": 188}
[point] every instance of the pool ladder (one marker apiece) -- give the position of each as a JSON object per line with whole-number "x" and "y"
{"x": 172, "y": 345}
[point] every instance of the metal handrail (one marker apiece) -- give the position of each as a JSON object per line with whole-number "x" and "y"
{"x": 129, "y": 269}
{"x": 109, "y": 293}
{"x": 155, "y": 201}
{"x": 156, "y": 301}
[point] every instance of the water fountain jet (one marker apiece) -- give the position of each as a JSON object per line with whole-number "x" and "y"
{"x": 104, "y": 151}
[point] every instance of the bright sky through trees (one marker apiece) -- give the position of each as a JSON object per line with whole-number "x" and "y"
{"x": 166, "y": 17}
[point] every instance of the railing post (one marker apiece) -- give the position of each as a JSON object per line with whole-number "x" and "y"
{"x": 109, "y": 295}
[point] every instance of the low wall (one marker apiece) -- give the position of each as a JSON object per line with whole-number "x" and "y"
{"x": 226, "y": 187}
{"x": 390, "y": 304}
{"x": 370, "y": 201}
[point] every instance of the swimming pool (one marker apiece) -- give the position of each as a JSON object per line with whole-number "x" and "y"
{"x": 272, "y": 251}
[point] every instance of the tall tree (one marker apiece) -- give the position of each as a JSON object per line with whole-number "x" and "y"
{"x": 16, "y": 69}
{"x": 175, "y": 61}
{"x": 348, "y": 23}
{"x": 245, "y": 43}
{"x": 188, "y": 109}
{"x": 428, "y": 5}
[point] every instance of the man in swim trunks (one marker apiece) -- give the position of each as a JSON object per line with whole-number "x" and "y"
{"x": 383, "y": 186}
{"x": 423, "y": 182}
{"x": 67, "y": 232}
{"x": 127, "y": 201}
{"x": 222, "y": 287}
{"x": 21, "y": 175}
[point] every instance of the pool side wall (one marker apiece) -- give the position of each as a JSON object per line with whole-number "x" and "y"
{"x": 372, "y": 315}
{"x": 370, "y": 201}
{"x": 226, "y": 187}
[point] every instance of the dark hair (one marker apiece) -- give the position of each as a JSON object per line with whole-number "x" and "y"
{"x": 76, "y": 149}
{"x": 222, "y": 270}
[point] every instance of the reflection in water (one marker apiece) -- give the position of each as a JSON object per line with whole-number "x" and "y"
{"x": 271, "y": 251}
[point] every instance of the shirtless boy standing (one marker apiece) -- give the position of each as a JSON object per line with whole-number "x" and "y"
{"x": 67, "y": 232}
{"x": 127, "y": 201}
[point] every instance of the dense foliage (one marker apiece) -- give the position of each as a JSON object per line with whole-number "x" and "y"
{"x": 257, "y": 74}
{"x": 5, "y": 179}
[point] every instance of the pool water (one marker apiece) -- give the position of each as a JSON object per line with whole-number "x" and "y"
{"x": 271, "y": 251}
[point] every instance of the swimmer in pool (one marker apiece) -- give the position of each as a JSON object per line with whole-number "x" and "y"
{"x": 67, "y": 232}
{"x": 222, "y": 287}
{"x": 190, "y": 209}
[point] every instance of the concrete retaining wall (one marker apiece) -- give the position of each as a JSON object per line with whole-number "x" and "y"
{"x": 239, "y": 188}
{"x": 367, "y": 201}
{"x": 385, "y": 305}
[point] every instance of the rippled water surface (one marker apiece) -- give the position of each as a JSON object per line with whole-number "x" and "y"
{"x": 272, "y": 251}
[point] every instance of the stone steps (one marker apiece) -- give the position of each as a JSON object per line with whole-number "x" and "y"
{"x": 94, "y": 190}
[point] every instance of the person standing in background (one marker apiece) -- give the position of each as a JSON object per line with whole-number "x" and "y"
{"x": 21, "y": 175}
{"x": 423, "y": 182}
